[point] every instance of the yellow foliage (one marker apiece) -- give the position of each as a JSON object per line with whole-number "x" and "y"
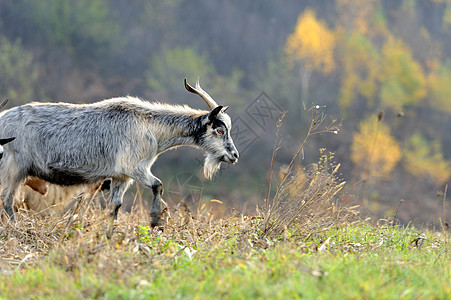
{"x": 361, "y": 62}
{"x": 364, "y": 16}
{"x": 374, "y": 151}
{"x": 439, "y": 82}
{"x": 425, "y": 160}
{"x": 447, "y": 16}
{"x": 356, "y": 14}
{"x": 403, "y": 80}
{"x": 312, "y": 43}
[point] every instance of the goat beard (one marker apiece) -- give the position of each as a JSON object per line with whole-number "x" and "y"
{"x": 211, "y": 166}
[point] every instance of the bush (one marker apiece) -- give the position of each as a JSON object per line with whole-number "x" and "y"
{"x": 19, "y": 72}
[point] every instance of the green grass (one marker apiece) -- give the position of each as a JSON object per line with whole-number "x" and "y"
{"x": 353, "y": 262}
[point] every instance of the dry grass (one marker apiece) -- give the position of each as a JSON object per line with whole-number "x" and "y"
{"x": 306, "y": 202}
{"x": 200, "y": 255}
{"x": 78, "y": 237}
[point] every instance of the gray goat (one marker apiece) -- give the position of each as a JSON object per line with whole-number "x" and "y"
{"x": 4, "y": 142}
{"x": 7, "y": 140}
{"x": 119, "y": 138}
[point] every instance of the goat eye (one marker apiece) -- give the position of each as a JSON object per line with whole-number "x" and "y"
{"x": 220, "y": 131}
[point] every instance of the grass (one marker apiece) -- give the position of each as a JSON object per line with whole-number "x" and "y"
{"x": 205, "y": 257}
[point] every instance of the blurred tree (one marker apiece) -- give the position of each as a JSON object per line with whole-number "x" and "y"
{"x": 227, "y": 89}
{"x": 311, "y": 46}
{"x": 374, "y": 151}
{"x": 145, "y": 27}
{"x": 83, "y": 28}
{"x": 356, "y": 15}
{"x": 170, "y": 66}
{"x": 447, "y": 16}
{"x": 361, "y": 68}
{"x": 403, "y": 81}
{"x": 277, "y": 80}
{"x": 439, "y": 82}
{"x": 19, "y": 72}
{"x": 409, "y": 27}
{"x": 425, "y": 160}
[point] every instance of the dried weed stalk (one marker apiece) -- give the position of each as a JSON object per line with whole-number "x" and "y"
{"x": 306, "y": 203}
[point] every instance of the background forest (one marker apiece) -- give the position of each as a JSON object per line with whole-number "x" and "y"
{"x": 381, "y": 67}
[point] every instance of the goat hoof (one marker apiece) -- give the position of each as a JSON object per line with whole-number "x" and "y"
{"x": 109, "y": 232}
{"x": 112, "y": 225}
{"x": 156, "y": 221}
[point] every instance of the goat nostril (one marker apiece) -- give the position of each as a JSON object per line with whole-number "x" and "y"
{"x": 235, "y": 154}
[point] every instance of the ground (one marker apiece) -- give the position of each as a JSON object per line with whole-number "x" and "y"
{"x": 198, "y": 255}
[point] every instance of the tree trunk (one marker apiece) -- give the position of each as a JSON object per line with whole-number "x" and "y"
{"x": 305, "y": 75}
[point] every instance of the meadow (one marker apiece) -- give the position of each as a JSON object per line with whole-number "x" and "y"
{"x": 382, "y": 67}
{"x": 303, "y": 244}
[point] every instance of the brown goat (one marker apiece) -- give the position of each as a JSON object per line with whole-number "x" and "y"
{"x": 38, "y": 195}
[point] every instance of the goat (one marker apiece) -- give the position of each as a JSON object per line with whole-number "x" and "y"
{"x": 37, "y": 185}
{"x": 4, "y": 142}
{"x": 7, "y": 140}
{"x": 38, "y": 195}
{"x": 118, "y": 138}
{"x": 55, "y": 197}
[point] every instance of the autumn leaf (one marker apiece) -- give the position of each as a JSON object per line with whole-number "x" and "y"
{"x": 439, "y": 82}
{"x": 312, "y": 43}
{"x": 403, "y": 81}
{"x": 361, "y": 67}
{"x": 425, "y": 160}
{"x": 374, "y": 151}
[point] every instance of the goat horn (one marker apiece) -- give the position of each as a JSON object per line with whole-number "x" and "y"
{"x": 3, "y": 103}
{"x": 200, "y": 92}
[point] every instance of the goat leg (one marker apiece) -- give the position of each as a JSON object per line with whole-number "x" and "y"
{"x": 158, "y": 206}
{"x": 112, "y": 219}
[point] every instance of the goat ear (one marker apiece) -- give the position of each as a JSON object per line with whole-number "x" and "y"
{"x": 214, "y": 112}
{"x": 6, "y": 141}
